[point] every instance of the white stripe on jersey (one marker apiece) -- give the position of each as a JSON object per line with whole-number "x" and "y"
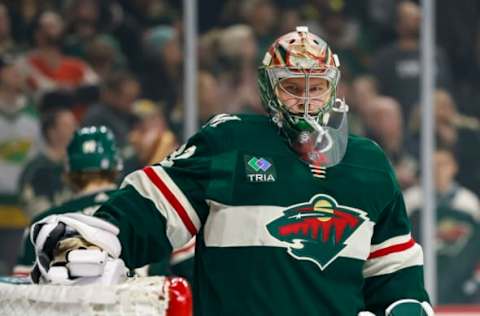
{"x": 240, "y": 226}
{"x": 246, "y": 226}
{"x": 192, "y": 214}
{"x": 184, "y": 253}
{"x": 391, "y": 242}
{"x": 177, "y": 232}
{"x": 394, "y": 262}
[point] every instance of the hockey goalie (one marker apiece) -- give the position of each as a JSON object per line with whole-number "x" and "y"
{"x": 292, "y": 215}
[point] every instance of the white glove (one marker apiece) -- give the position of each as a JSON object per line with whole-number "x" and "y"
{"x": 76, "y": 249}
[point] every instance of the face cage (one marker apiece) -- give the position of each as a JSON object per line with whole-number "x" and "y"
{"x": 312, "y": 103}
{"x": 329, "y": 73}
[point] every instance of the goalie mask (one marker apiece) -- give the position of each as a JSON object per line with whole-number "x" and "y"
{"x": 298, "y": 82}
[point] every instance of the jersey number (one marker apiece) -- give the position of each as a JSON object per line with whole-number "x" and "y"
{"x": 181, "y": 153}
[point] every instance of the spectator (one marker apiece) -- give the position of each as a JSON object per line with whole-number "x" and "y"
{"x": 7, "y": 43}
{"x": 208, "y": 50}
{"x": 104, "y": 57}
{"x": 346, "y": 37}
{"x": 209, "y": 102}
{"x": 45, "y": 67}
{"x": 313, "y": 13}
{"x": 385, "y": 126}
{"x": 118, "y": 93}
{"x": 163, "y": 64}
{"x": 41, "y": 185}
{"x": 457, "y": 229}
{"x": 150, "y": 13}
{"x": 456, "y": 131}
{"x": 19, "y": 142}
{"x": 150, "y": 137}
{"x": 363, "y": 91}
{"x": 84, "y": 27}
{"x": 397, "y": 66}
{"x": 212, "y": 15}
{"x": 290, "y": 17}
{"x": 127, "y": 31}
{"x": 457, "y": 38}
{"x": 261, "y": 16}
{"x": 467, "y": 93}
{"x": 81, "y": 26}
{"x": 19, "y": 128}
{"x": 379, "y": 17}
{"x": 237, "y": 77}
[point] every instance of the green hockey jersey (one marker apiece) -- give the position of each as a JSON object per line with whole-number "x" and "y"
{"x": 87, "y": 204}
{"x": 275, "y": 236}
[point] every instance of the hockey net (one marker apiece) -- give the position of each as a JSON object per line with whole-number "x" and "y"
{"x": 160, "y": 296}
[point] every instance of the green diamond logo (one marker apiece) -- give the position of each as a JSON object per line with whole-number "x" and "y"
{"x": 253, "y": 164}
{"x": 259, "y": 169}
{"x": 259, "y": 164}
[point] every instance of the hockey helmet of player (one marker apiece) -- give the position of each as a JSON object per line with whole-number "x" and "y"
{"x": 298, "y": 82}
{"x": 93, "y": 148}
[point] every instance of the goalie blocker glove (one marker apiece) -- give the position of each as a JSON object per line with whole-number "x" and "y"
{"x": 76, "y": 249}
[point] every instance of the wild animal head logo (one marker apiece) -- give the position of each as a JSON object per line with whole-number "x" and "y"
{"x": 317, "y": 230}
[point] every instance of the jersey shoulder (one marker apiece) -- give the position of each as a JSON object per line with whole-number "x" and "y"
{"x": 221, "y": 123}
{"x": 234, "y": 130}
{"x": 364, "y": 153}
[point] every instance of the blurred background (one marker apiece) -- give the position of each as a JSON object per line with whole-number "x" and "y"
{"x": 119, "y": 63}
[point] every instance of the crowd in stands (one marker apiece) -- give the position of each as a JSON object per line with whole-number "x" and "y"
{"x": 118, "y": 63}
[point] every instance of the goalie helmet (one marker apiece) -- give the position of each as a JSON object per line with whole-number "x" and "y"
{"x": 298, "y": 81}
{"x": 93, "y": 148}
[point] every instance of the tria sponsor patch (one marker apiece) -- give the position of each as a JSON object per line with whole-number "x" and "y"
{"x": 258, "y": 169}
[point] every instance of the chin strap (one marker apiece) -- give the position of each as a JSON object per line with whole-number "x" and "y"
{"x": 322, "y": 132}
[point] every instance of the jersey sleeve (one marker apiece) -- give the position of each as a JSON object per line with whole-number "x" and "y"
{"x": 161, "y": 207}
{"x": 394, "y": 268}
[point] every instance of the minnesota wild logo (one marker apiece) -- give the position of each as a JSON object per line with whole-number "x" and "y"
{"x": 317, "y": 230}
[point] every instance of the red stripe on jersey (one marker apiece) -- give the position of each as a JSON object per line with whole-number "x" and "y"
{"x": 392, "y": 249}
{"x": 174, "y": 202}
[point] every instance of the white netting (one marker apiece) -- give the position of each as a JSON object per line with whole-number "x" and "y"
{"x": 136, "y": 297}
